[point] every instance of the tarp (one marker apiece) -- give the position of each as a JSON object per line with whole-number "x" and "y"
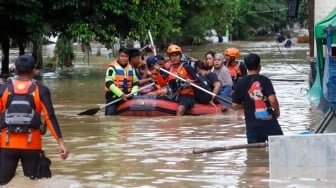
{"x": 320, "y": 26}
{"x": 320, "y": 35}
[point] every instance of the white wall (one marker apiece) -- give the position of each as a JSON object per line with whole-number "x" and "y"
{"x": 323, "y": 8}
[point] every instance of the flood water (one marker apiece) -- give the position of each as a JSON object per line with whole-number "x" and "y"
{"x": 149, "y": 152}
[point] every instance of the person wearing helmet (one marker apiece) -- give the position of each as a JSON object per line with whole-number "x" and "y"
{"x": 237, "y": 69}
{"x": 182, "y": 92}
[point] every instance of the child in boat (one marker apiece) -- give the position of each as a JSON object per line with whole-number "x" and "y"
{"x": 156, "y": 90}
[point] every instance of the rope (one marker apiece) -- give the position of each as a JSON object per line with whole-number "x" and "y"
{"x": 286, "y": 61}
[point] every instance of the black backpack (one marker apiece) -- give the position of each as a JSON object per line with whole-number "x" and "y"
{"x": 20, "y": 115}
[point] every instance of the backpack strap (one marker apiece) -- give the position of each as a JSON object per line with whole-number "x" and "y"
{"x": 37, "y": 100}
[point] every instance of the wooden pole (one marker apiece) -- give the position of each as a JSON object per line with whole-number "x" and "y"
{"x": 311, "y": 15}
{"x": 225, "y": 148}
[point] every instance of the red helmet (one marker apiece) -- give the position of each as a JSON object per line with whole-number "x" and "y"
{"x": 174, "y": 48}
{"x": 232, "y": 52}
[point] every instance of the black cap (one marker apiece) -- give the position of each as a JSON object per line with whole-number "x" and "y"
{"x": 25, "y": 63}
{"x": 133, "y": 52}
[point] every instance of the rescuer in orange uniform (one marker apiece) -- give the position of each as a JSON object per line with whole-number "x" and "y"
{"x": 22, "y": 100}
{"x": 237, "y": 68}
{"x": 182, "y": 92}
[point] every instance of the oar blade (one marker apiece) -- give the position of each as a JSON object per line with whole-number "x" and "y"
{"x": 227, "y": 101}
{"x": 92, "y": 111}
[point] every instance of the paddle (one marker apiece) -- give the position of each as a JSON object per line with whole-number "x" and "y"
{"x": 151, "y": 40}
{"x": 224, "y": 100}
{"x": 93, "y": 111}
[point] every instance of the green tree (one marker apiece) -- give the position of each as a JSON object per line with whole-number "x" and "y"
{"x": 20, "y": 20}
{"x": 106, "y": 20}
{"x": 64, "y": 51}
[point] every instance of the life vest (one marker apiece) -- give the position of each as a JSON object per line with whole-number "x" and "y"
{"x": 21, "y": 116}
{"x": 123, "y": 77}
{"x": 235, "y": 70}
{"x": 178, "y": 85}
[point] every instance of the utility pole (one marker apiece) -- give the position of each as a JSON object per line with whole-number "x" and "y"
{"x": 311, "y": 14}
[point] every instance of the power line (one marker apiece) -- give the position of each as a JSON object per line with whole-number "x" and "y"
{"x": 268, "y": 11}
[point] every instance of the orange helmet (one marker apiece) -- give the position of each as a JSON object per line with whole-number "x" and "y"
{"x": 232, "y": 52}
{"x": 174, "y": 48}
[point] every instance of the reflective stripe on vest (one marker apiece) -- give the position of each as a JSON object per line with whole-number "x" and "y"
{"x": 123, "y": 77}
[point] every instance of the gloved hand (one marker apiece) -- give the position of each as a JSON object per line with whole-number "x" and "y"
{"x": 43, "y": 168}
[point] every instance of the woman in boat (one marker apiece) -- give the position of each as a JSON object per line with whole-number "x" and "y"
{"x": 209, "y": 59}
{"x": 208, "y": 80}
{"x": 223, "y": 75}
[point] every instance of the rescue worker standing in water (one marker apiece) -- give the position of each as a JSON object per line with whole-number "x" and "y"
{"x": 120, "y": 80}
{"x": 21, "y": 104}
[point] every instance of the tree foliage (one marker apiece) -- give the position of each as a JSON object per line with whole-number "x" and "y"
{"x": 175, "y": 21}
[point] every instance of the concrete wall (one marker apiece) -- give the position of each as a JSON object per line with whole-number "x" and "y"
{"x": 311, "y": 156}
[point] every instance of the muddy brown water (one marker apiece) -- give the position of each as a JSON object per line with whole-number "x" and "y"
{"x": 148, "y": 152}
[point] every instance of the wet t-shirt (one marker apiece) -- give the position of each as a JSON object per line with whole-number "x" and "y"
{"x": 253, "y": 92}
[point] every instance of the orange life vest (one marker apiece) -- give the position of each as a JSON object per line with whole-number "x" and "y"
{"x": 21, "y": 140}
{"x": 235, "y": 70}
{"x": 123, "y": 77}
{"x": 182, "y": 72}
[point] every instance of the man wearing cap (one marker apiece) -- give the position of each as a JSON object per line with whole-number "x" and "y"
{"x": 151, "y": 62}
{"x": 120, "y": 80}
{"x": 20, "y": 131}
